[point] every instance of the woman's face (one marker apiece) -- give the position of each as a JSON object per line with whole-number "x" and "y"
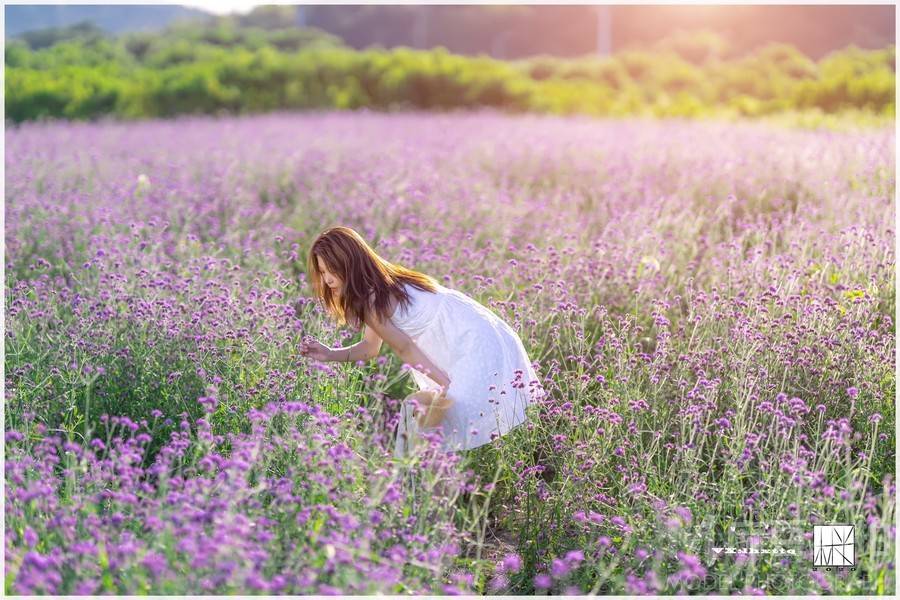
{"x": 330, "y": 279}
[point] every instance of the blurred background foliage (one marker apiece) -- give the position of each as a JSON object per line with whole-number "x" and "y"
{"x": 263, "y": 61}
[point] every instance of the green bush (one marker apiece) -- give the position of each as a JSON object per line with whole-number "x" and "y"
{"x": 266, "y": 64}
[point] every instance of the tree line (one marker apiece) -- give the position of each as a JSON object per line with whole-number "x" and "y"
{"x": 228, "y": 67}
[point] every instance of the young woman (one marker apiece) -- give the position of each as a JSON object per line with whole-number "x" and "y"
{"x": 454, "y": 345}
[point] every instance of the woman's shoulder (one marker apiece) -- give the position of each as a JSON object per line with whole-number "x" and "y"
{"x": 416, "y": 296}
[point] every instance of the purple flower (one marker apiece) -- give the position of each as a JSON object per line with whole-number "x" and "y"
{"x": 88, "y": 587}
{"x": 327, "y": 590}
{"x": 37, "y": 560}
{"x": 31, "y": 538}
{"x": 635, "y": 586}
{"x": 637, "y": 488}
{"x": 559, "y": 569}
{"x": 154, "y": 562}
{"x": 820, "y": 579}
{"x": 685, "y": 513}
{"x": 852, "y": 392}
{"x": 498, "y": 582}
{"x": 209, "y": 403}
{"x": 689, "y": 560}
{"x": 542, "y": 581}
{"x": 512, "y": 563}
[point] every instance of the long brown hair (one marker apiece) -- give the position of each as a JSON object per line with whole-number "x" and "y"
{"x": 363, "y": 273}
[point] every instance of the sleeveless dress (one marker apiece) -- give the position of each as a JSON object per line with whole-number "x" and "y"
{"x": 491, "y": 377}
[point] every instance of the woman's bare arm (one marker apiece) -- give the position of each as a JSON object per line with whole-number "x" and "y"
{"x": 415, "y": 357}
{"x": 358, "y": 351}
{"x": 366, "y": 349}
{"x": 406, "y": 349}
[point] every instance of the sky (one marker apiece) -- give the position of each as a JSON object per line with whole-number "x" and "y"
{"x": 221, "y": 7}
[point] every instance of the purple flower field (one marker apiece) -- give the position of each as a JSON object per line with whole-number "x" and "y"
{"x": 710, "y": 307}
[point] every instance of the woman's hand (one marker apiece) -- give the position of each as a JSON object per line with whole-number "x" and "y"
{"x": 311, "y": 348}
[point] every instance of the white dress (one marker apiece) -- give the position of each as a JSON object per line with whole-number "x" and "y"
{"x": 491, "y": 377}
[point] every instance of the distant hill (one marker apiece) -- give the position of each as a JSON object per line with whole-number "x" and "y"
{"x": 113, "y": 19}
{"x": 511, "y": 31}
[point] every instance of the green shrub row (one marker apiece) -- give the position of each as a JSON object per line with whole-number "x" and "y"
{"x": 194, "y": 69}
